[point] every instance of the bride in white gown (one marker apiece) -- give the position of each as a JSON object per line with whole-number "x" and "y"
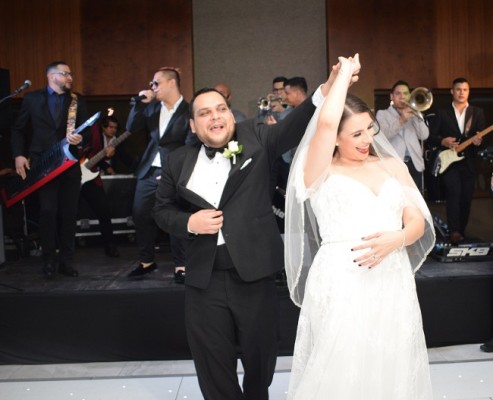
{"x": 360, "y": 333}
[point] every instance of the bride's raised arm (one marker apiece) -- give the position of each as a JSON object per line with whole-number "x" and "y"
{"x": 321, "y": 147}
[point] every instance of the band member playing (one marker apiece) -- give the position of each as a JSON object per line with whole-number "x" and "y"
{"x": 53, "y": 112}
{"x": 404, "y": 129}
{"x": 451, "y": 126}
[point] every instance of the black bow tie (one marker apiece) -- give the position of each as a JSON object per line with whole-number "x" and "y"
{"x": 210, "y": 152}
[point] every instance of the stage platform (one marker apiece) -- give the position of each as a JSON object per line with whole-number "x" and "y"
{"x": 102, "y": 316}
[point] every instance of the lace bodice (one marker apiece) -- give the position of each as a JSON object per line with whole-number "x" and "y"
{"x": 341, "y": 196}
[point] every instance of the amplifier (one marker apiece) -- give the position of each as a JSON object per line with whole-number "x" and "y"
{"x": 446, "y": 252}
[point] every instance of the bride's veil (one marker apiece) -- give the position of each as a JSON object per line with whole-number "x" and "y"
{"x": 302, "y": 239}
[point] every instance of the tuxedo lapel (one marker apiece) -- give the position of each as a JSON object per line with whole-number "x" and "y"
{"x": 454, "y": 125}
{"x": 177, "y": 114}
{"x": 154, "y": 121}
{"x": 237, "y": 175}
{"x": 468, "y": 121}
{"x": 186, "y": 172}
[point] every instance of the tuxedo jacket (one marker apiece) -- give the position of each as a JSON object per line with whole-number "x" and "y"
{"x": 35, "y": 116}
{"x": 445, "y": 125}
{"x": 249, "y": 228}
{"x": 145, "y": 117}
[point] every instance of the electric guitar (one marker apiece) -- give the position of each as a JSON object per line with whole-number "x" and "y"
{"x": 88, "y": 164}
{"x": 448, "y": 157}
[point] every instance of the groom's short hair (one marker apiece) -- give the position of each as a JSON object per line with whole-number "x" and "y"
{"x": 202, "y": 91}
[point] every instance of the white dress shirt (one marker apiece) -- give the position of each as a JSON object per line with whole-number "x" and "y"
{"x": 461, "y": 117}
{"x": 164, "y": 118}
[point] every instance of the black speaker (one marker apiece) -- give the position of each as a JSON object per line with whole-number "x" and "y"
{"x": 2, "y": 247}
{"x": 5, "y": 120}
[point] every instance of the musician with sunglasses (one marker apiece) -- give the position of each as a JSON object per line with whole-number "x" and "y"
{"x": 52, "y": 113}
{"x": 163, "y": 115}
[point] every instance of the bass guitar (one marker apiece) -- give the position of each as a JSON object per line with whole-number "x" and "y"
{"x": 447, "y": 157}
{"x": 88, "y": 164}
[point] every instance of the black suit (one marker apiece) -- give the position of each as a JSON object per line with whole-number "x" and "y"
{"x": 248, "y": 313}
{"x": 58, "y": 198}
{"x": 458, "y": 179}
{"x": 145, "y": 117}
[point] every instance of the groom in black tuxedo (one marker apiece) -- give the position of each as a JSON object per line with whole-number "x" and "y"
{"x": 224, "y": 205}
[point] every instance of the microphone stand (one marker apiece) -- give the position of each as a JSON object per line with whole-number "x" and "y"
{"x": 16, "y": 92}
{"x": 8, "y": 97}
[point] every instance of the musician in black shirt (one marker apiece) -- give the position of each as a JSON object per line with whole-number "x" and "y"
{"x": 53, "y": 112}
{"x": 452, "y": 125}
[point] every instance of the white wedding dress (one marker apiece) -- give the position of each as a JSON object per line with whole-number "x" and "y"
{"x": 360, "y": 333}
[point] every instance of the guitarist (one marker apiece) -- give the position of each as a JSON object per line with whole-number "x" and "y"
{"x": 53, "y": 112}
{"x": 92, "y": 191}
{"x": 452, "y": 125}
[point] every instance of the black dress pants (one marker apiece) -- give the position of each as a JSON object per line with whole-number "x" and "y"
{"x": 58, "y": 202}
{"x": 146, "y": 228}
{"x": 229, "y": 315}
{"x": 458, "y": 181}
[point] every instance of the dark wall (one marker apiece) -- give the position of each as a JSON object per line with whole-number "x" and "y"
{"x": 5, "y": 119}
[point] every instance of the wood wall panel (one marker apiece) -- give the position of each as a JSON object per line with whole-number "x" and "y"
{"x": 394, "y": 40}
{"x": 35, "y": 33}
{"x": 463, "y": 37}
{"x": 428, "y": 43}
{"x": 125, "y": 41}
{"x": 112, "y": 46}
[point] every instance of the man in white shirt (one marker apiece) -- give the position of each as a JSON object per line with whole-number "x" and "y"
{"x": 164, "y": 115}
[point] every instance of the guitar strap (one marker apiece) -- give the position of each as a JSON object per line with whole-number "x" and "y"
{"x": 72, "y": 114}
{"x": 467, "y": 128}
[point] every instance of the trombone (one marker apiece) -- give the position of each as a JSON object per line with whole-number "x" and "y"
{"x": 420, "y": 100}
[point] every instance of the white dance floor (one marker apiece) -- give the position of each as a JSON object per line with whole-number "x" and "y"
{"x": 457, "y": 372}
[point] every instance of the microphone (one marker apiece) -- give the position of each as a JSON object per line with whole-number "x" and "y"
{"x": 24, "y": 86}
{"x": 137, "y": 99}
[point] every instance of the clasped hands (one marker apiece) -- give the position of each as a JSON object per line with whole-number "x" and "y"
{"x": 206, "y": 222}
{"x": 379, "y": 246}
{"x": 350, "y": 64}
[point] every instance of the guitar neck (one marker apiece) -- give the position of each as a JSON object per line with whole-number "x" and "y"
{"x": 461, "y": 147}
{"x": 102, "y": 154}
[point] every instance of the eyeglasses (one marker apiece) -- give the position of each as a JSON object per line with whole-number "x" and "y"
{"x": 153, "y": 83}
{"x": 277, "y": 90}
{"x": 63, "y": 73}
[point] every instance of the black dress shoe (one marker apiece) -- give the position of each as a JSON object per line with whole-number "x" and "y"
{"x": 141, "y": 271}
{"x": 180, "y": 277}
{"x": 487, "y": 347}
{"x": 49, "y": 270}
{"x": 67, "y": 270}
{"x": 111, "y": 251}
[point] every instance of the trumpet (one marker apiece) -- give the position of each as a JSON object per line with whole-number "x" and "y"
{"x": 420, "y": 100}
{"x": 264, "y": 103}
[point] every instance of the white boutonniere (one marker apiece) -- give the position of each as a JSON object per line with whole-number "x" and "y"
{"x": 232, "y": 150}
